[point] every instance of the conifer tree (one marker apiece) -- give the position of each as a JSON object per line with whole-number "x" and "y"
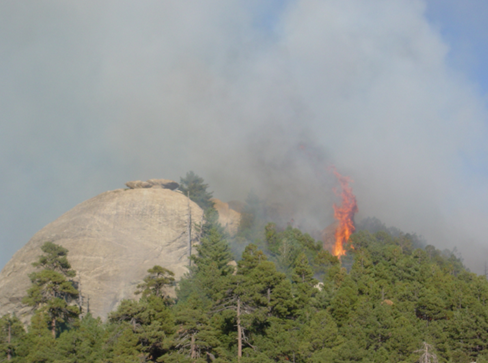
{"x": 211, "y": 264}
{"x": 51, "y": 290}
{"x": 143, "y": 328}
{"x": 213, "y": 248}
{"x": 154, "y": 284}
{"x": 85, "y": 343}
{"x": 303, "y": 278}
{"x": 380, "y": 309}
{"x": 256, "y": 293}
{"x": 38, "y": 344}
{"x": 238, "y": 295}
{"x": 11, "y": 333}
{"x": 194, "y": 186}
{"x": 195, "y": 337}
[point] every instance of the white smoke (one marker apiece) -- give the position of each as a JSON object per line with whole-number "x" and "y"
{"x": 102, "y": 92}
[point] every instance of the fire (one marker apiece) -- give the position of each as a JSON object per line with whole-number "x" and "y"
{"x": 344, "y": 214}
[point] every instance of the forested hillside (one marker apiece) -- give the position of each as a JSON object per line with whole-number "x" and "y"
{"x": 286, "y": 300}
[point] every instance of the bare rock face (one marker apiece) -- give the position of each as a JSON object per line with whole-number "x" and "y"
{"x": 113, "y": 239}
{"x": 228, "y": 218}
{"x": 153, "y": 183}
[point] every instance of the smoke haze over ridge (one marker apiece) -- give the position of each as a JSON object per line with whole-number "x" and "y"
{"x": 97, "y": 93}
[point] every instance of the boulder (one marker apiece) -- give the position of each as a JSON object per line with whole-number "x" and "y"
{"x": 113, "y": 239}
{"x": 137, "y": 184}
{"x": 153, "y": 183}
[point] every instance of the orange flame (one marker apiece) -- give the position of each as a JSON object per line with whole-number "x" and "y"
{"x": 344, "y": 214}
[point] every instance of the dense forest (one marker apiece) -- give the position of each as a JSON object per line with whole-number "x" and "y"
{"x": 390, "y": 299}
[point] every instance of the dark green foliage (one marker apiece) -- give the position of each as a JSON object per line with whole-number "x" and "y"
{"x": 11, "y": 334}
{"x": 302, "y": 277}
{"x": 196, "y": 337}
{"x": 287, "y": 300}
{"x": 48, "y": 285}
{"x": 210, "y": 264}
{"x": 155, "y": 283}
{"x": 84, "y": 344}
{"x": 55, "y": 258}
{"x": 285, "y": 247}
{"x": 141, "y": 329}
{"x": 213, "y": 249}
{"x": 51, "y": 292}
{"x": 194, "y": 186}
{"x": 38, "y": 345}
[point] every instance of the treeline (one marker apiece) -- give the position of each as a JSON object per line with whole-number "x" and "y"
{"x": 285, "y": 300}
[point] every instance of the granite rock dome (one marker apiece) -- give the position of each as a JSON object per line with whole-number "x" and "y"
{"x": 113, "y": 239}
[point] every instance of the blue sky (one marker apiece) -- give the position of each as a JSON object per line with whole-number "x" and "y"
{"x": 463, "y": 25}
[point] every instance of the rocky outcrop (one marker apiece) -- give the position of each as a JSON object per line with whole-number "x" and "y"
{"x": 153, "y": 183}
{"x": 113, "y": 239}
{"x": 228, "y": 218}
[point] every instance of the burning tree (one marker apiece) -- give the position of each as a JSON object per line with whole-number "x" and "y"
{"x": 344, "y": 214}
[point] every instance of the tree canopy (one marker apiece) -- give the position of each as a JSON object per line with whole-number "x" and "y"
{"x": 282, "y": 299}
{"x": 194, "y": 186}
{"x": 52, "y": 292}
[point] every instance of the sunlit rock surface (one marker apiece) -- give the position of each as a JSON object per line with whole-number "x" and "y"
{"x": 113, "y": 239}
{"x": 228, "y": 217}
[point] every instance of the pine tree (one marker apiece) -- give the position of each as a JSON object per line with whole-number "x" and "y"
{"x": 11, "y": 332}
{"x": 143, "y": 328}
{"x": 51, "y": 290}
{"x": 211, "y": 264}
{"x": 303, "y": 278}
{"x": 214, "y": 248}
{"x": 83, "y": 344}
{"x": 238, "y": 295}
{"x": 38, "y": 344}
{"x": 194, "y": 186}
{"x": 256, "y": 294}
{"x": 155, "y": 283}
{"x": 195, "y": 337}
{"x": 55, "y": 259}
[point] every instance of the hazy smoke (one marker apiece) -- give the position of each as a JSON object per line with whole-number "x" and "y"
{"x": 97, "y": 93}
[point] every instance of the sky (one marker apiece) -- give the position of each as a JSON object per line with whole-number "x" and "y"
{"x": 392, "y": 93}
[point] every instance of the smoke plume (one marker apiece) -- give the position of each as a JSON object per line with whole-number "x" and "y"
{"x": 96, "y": 93}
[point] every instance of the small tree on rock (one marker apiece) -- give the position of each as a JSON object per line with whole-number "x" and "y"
{"x": 51, "y": 291}
{"x": 154, "y": 283}
{"x": 194, "y": 186}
